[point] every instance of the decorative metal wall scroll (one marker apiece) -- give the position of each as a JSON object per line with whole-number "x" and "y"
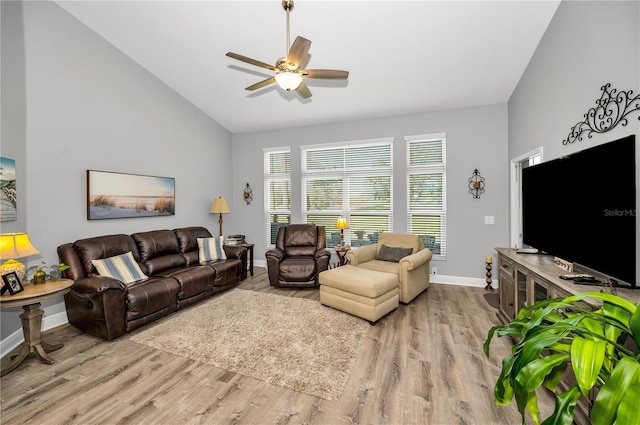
{"x": 611, "y": 109}
{"x": 247, "y": 194}
{"x": 476, "y": 184}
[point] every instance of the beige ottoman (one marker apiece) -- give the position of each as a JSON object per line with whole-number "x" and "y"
{"x": 368, "y": 294}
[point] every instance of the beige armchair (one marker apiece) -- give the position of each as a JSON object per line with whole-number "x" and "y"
{"x": 412, "y": 270}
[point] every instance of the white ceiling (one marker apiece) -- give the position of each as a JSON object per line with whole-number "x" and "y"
{"x": 402, "y": 57}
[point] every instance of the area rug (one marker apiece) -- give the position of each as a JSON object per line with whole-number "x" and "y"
{"x": 292, "y": 342}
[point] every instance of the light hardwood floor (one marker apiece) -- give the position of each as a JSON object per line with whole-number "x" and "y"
{"x": 421, "y": 364}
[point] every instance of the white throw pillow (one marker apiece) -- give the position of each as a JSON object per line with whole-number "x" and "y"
{"x": 122, "y": 267}
{"x": 211, "y": 249}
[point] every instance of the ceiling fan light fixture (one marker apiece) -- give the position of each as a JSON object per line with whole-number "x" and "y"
{"x": 288, "y": 80}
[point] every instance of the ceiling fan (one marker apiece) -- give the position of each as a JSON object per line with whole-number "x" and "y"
{"x": 290, "y": 70}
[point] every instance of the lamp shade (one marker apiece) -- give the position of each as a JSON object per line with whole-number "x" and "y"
{"x": 16, "y": 245}
{"x": 342, "y": 223}
{"x": 288, "y": 80}
{"x": 220, "y": 206}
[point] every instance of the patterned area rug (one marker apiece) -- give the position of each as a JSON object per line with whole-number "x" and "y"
{"x": 292, "y": 342}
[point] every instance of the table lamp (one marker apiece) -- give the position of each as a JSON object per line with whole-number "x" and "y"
{"x": 342, "y": 224}
{"x": 220, "y": 206}
{"x": 13, "y": 246}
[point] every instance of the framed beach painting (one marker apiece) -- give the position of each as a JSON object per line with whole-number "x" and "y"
{"x": 8, "y": 195}
{"x": 120, "y": 195}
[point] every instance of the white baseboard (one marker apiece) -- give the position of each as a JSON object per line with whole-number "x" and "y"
{"x": 461, "y": 281}
{"x": 17, "y": 338}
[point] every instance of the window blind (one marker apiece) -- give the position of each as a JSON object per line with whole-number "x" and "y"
{"x": 353, "y": 180}
{"x": 277, "y": 190}
{"x": 426, "y": 191}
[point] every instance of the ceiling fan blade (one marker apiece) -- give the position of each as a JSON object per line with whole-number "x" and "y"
{"x": 261, "y": 84}
{"x": 304, "y": 61}
{"x": 298, "y": 51}
{"x": 303, "y": 91}
{"x": 251, "y": 61}
{"x": 325, "y": 74}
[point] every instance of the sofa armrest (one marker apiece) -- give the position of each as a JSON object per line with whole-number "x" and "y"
{"x": 413, "y": 261}
{"x": 97, "y": 305}
{"x": 362, "y": 254}
{"x": 324, "y": 252}
{"x": 275, "y": 254}
{"x": 97, "y": 285}
{"x": 235, "y": 251}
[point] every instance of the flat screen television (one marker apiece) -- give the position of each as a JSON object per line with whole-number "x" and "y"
{"x": 582, "y": 208}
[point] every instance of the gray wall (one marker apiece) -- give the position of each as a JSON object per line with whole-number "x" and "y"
{"x": 586, "y": 45}
{"x": 72, "y": 102}
{"x": 476, "y": 138}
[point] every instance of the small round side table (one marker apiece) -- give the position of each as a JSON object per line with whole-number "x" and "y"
{"x": 31, "y": 317}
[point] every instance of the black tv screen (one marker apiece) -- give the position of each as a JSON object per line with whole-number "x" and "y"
{"x": 582, "y": 208}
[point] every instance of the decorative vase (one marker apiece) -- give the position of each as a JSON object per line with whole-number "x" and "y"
{"x": 39, "y": 276}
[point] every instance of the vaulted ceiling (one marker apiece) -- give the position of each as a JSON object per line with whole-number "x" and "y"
{"x": 402, "y": 56}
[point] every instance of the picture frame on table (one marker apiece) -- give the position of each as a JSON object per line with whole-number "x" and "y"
{"x": 11, "y": 283}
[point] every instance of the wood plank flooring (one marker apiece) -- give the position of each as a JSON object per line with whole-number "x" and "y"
{"x": 422, "y": 364}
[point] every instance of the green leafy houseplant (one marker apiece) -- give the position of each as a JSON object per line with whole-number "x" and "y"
{"x": 53, "y": 271}
{"x": 586, "y": 331}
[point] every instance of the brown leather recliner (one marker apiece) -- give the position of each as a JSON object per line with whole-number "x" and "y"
{"x": 299, "y": 256}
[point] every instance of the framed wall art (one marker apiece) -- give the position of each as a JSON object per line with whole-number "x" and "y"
{"x": 8, "y": 195}
{"x": 120, "y": 195}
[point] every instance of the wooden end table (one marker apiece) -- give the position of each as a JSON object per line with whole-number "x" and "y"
{"x": 31, "y": 317}
{"x": 249, "y": 247}
{"x": 341, "y": 253}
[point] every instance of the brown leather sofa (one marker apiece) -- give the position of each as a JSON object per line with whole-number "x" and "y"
{"x": 299, "y": 256}
{"x": 106, "y": 307}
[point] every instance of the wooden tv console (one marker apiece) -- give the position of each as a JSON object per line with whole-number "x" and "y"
{"x": 525, "y": 279}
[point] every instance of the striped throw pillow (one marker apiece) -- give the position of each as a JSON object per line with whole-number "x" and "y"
{"x": 121, "y": 267}
{"x": 211, "y": 249}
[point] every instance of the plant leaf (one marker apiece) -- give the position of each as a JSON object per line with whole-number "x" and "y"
{"x": 555, "y": 377}
{"x": 533, "y": 374}
{"x": 634, "y": 324}
{"x": 628, "y": 412}
{"x": 587, "y": 357}
{"x": 532, "y": 407}
{"x": 625, "y": 374}
{"x": 565, "y": 403}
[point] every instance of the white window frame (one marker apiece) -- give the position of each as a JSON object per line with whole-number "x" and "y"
{"x": 345, "y": 174}
{"x": 425, "y": 169}
{"x": 268, "y": 178}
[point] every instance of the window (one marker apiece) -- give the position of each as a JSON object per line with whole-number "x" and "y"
{"x": 277, "y": 189}
{"x": 426, "y": 191}
{"x": 352, "y": 180}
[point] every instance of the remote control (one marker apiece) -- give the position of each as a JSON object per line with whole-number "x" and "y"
{"x": 576, "y": 276}
{"x": 583, "y": 281}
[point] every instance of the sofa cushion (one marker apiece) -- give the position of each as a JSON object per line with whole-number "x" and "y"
{"x": 300, "y": 239}
{"x": 188, "y": 242}
{"x": 159, "y": 250}
{"x": 103, "y": 247}
{"x": 193, "y": 280}
{"x": 381, "y": 266}
{"x": 393, "y": 253}
{"x": 121, "y": 267}
{"x": 211, "y": 249}
{"x": 400, "y": 239}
